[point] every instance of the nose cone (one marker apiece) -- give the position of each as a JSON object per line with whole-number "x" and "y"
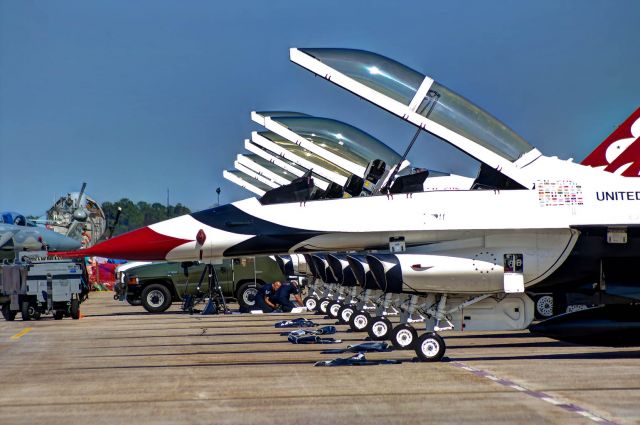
{"x": 57, "y": 242}
{"x": 143, "y": 244}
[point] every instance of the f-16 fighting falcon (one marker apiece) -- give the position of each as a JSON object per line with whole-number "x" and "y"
{"x": 528, "y": 220}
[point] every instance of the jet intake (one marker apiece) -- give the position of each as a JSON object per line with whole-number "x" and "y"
{"x": 341, "y": 269}
{"x": 322, "y": 266}
{"x": 285, "y": 264}
{"x": 386, "y": 271}
{"x": 361, "y": 271}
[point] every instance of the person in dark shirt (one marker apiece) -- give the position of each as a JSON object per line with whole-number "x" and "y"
{"x": 264, "y": 296}
{"x": 283, "y": 296}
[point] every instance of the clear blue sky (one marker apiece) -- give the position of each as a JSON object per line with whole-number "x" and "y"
{"x": 135, "y": 97}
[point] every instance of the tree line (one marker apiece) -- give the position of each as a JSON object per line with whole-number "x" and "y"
{"x": 136, "y": 215}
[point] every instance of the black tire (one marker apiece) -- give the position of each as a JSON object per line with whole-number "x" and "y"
{"x": 404, "y": 337}
{"x": 380, "y": 329}
{"x": 323, "y": 305}
{"x": 345, "y": 313}
{"x": 311, "y": 302}
{"x": 333, "y": 309}
{"x": 430, "y": 347}
{"x": 74, "y": 309}
{"x": 359, "y": 321}
{"x": 246, "y": 295}
{"x": 58, "y": 314}
{"x": 156, "y": 298}
{"x": 26, "y": 310}
{"x": 7, "y": 313}
{"x": 134, "y": 301}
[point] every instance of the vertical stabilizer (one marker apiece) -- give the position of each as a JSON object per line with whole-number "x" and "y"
{"x": 620, "y": 152}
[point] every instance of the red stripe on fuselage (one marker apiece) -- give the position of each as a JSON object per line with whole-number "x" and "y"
{"x": 141, "y": 244}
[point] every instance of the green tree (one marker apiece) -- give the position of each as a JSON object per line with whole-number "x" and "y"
{"x": 136, "y": 215}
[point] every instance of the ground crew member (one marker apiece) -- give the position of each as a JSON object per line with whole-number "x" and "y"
{"x": 283, "y": 296}
{"x": 264, "y": 295}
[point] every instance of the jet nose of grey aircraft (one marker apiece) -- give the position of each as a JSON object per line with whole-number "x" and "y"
{"x": 58, "y": 242}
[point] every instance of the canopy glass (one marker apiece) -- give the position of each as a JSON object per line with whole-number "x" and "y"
{"x": 344, "y": 140}
{"x": 303, "y": 153}
{"x": 270, "y": 166}
{"x": 440, "y": 105}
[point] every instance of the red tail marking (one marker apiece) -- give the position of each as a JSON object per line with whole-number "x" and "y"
{"x": 622, "y": 147}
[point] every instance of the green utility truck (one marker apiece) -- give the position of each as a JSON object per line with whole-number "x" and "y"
{"x": 155, "y": 286}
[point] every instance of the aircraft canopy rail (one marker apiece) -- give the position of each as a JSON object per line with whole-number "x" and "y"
{"x": 284, "y": 163}
{"x": 303, "y": 153}
{"x": 342, "y": 144}
{"x": 246, "y": 182}
{"x": 425, "y": 103}
{"x": 262, "y": 163}
{"x": 341, "y": 139}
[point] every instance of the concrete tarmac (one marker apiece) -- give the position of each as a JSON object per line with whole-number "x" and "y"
{"x": 121, "y": 365}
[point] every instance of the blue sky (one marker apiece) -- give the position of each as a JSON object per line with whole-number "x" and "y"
{"x": 137, "y": 97}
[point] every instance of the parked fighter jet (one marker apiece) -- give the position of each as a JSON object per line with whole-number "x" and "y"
{"x": 23, "y": 235}
{"x": 528, "y": 219}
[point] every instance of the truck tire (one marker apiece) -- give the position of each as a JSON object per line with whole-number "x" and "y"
{"x": 75, "y": 309}
{"x": 58, "y": 315}
{"x": 26, "y": 310}
{"x": 134, "y": 301}
{"x": 7, "y": 313}
{"x": 247, "y": 295}
{"x": 156, "y": 298}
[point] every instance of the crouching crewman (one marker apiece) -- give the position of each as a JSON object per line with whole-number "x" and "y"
{"x": 282, "y": 296}
{"x": 264, "y": 297}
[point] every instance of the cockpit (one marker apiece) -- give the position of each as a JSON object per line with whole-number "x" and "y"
{"x": 351, "y": 162}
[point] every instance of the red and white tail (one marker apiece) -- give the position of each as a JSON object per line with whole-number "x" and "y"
{"x": 620, "y": 152}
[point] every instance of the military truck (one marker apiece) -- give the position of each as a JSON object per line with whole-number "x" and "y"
{"x": 157, "y": 285}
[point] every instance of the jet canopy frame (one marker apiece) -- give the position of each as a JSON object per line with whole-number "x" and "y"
{"x": 425, "y": 103}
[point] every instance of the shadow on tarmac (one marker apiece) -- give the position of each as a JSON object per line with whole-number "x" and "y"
{"x": 600, "y": 355}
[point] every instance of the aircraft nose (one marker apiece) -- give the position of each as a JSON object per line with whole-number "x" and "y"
{"x": 143, "y": 244}
{"x": 58, "y": 242}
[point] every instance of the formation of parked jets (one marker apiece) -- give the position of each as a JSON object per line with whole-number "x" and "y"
{"x": 449, "y": 252}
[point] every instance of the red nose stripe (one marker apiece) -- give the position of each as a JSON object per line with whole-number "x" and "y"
{"x": 141, "y": 244}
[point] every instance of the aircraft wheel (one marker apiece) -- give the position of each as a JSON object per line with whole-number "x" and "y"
{"x": 404, "y": 337}
{"x": 334, "y": 308}
{"x": 311, "y": 303}
{"x": 323, "y": 305}
{"x": 345, "y": 313}
{"x": 430, "y": 347}
{"x": 544, "y": 306}
{"x": 359, "y": 321}
{"x": 380, "y": 329}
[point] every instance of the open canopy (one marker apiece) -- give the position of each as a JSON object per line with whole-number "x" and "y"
{"x": 341, "y": 139}
{"x": 426, "y": 97}
{"x": 303, "y": 153}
